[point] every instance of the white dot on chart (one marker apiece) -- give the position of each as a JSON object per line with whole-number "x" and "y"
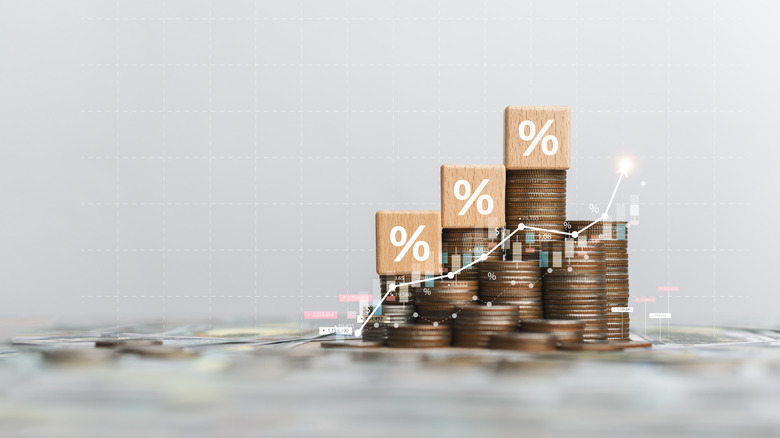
{"x": 549, "y": 270}
{"x": 586, "y": 257}
{"x": 450, "y": 275}
{"x": 489, "y": 303}
{"x": 392, "y": 287}
{"x": 376, "y": 325}
{"x": 569, "y": 269}
{"x": 435, "y": 324}
{"x": 643, "y": 183}
{"x": 474, "y": 298}
{"x": 520, "y": 226}
{"x": 483, "y": 257}
{"x": 358, "y": 332}
{"x": 454, "y": 315}
{"x": 415, "y": 314}
{"x": 574, "y": 234}
{"x": 395, "y": 325}
{"x": 512, "y": 282}
{"x": 605, "y": 216}
{"x": 530, "y": 285}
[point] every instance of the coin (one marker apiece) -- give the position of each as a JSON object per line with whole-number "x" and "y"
{"x": 400, "y": 294}
{"x": 563, "y": 330}
{"x": 523, "y": 341}
{"x": 512, "y": 282}
{"x": 419, "y": 336}
{"x": 538, "y": 199}
{"x": 461, "y": 246}
{"x": 633, "y": 344}
{"x": 590, "y": 346}
{"x": 474, "y": 325}
{"x": 388, "y": 314}
{"x": 614, "y": 236}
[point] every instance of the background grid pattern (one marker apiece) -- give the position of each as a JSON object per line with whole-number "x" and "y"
{"x": 196, "y": 160}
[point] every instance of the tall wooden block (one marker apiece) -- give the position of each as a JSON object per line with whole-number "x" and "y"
{"x": 472, "y": 196}
{"x": 408, "y": 242}
{"x": 537, "y": 137}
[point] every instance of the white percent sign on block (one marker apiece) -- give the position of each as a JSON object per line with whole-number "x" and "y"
{"x": 463, "y": 192}
{"x": 549, "y": 142}
{"x": 420, "y": 249}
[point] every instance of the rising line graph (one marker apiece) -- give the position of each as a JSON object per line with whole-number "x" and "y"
{"x": 623, "y": 173}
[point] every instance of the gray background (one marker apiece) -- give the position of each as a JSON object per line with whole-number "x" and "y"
{"x": 184, "y": 160}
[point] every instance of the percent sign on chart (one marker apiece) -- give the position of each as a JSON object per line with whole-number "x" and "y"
{"x": 472, "y": 196}
{"x": 463, "y": 192}
{"x": 537, "y": 137}
{"x": 420, "y": 249}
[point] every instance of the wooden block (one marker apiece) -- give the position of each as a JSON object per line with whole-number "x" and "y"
{"x": 469, "y": 205}
{"x": 527, "y": 145}
{"x": 398, "y": 251}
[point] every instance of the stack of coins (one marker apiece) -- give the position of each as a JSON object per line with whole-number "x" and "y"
{"x": 523, "y": 341}
{"x": 437, "y": 304}
{"x": 392, "y": 315}
{"x": 461, "y": 246}
{"x": 614, "y": 236}
{"x": 535, "y": 198}
{"x": 402, "y": 294}
{"x": 475, "y": 324}
{"x": 516, "y": 283}
{"x": 574, "y": 284}
{"x": 419, "y": 336}
{"x": 564, "y": 330}
{"x": 375, "y": 330}
{"x": 591, "y": 346}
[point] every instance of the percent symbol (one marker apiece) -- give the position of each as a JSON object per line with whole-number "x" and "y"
{"x": 549, "y": 142}
{"x": 491, "y": 275}
{"x": 463, "y": 192}
{"x": 593, "y": 208}
{"x": 398, "y": 237}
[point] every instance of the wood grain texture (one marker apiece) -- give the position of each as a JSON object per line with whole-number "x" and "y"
{"x": 514, "y": 146}
{"x": 474, "y": 174}
{"x": 386, "y": 252}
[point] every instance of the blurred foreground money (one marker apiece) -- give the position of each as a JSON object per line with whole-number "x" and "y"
{"x": 277, "y": 381}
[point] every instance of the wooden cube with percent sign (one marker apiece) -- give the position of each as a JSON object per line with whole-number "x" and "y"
{"x": 472, "y": 196}
{"x": 537, "y": 137}
{"x": 408, "y": 242}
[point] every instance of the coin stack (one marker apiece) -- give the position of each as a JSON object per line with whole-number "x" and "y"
{"x": 437, "y": 304}
{"x": 614, "y": 236}
{"x": 402, "y": 294}
{"x": 523, "y": 341}
{"x": 393, "y": 315}
{"x": 535, "y": 198}
{"x": 461, "y": 246}
{"x": 574, "y": 284}
{"x": 374, "y": 330}
{"x": 564, "y": 330}
{"x": 516, "y": 283}
{"x": 419, "y": 336}
{"x": 475, "y": 324}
